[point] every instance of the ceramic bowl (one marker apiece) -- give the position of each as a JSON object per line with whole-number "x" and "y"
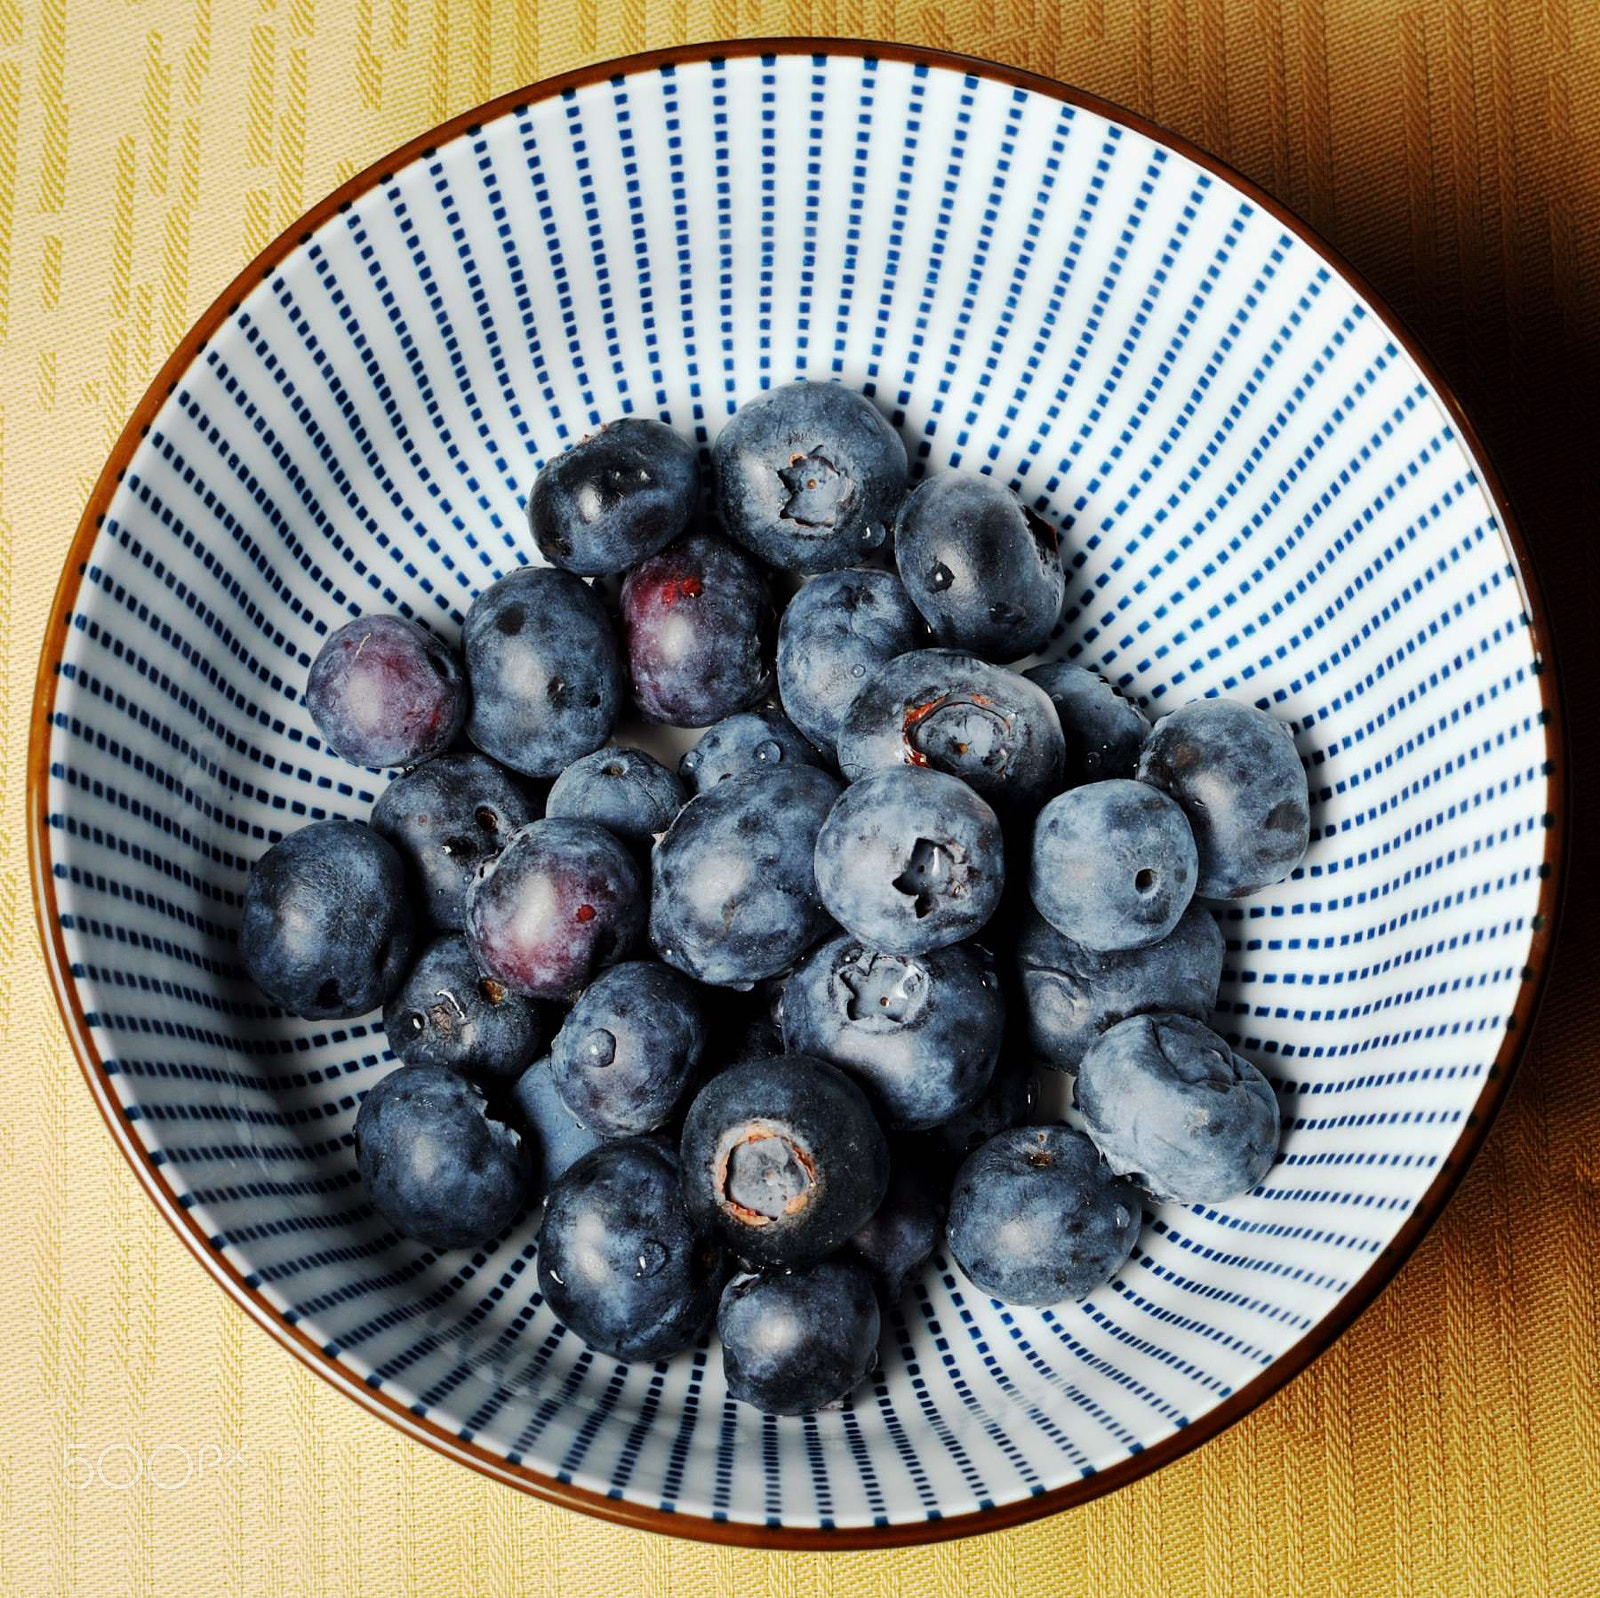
{"x": 1264, "y": 492}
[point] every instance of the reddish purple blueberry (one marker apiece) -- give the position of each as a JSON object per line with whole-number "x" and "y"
{"x": 699, "y": 623}
{"x": 384, "y": 691}
{"x": 562, "y": 901}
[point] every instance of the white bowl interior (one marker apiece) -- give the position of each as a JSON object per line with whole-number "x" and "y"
{"x": 1262, "y": 497}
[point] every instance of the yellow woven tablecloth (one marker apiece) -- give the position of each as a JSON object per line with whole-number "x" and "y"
{"x": 1449, "y": 1444}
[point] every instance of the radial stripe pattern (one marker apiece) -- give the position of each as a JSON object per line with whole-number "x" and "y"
{"x": 1261, "y": 494}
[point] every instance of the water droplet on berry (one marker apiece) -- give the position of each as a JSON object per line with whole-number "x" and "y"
{"x": 652, "y": 1257}
{"x": 690, "y": 761}
{"x": 768, "y": 753}
{"x": 873, "y": 534}
{"x": 598, "y": 1047}
{"x": 858, "y": 671}
{"x": 940, "y": 578}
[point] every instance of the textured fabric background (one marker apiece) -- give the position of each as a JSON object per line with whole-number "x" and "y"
{"x": 1449, "y": 1444}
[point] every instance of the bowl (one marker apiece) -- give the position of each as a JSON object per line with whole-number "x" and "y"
{"x": 1265, "y": 492}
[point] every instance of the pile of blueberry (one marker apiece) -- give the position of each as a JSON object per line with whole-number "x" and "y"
{"x": 762, "y": 1033}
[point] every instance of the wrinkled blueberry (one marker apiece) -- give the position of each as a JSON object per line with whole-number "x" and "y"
{"x": 735, "y": 892}
{"x": 699, "y": 623}
{"x": 800, "y": 1340}
{"x": 1113, "y": 864}
{"x": 808, "y": 476}
{"x": 783, "y": 1157}
{"x": 910, "y": 860}
{"x": 1072, "y": 994}
{"x": 625, "y": 791}
{"x": 1170, "y": 1105}
{"x": 447, "y": 1013}
{"x": 1236, "y": 772}
{"x": 907, "y": 1227}
{"x": 984, "y": 569}
{"x": 1103, "y": 731}
{"x": 384, "y": 691}
{"x": 327, "y": 928}
{"x": 615, "y": 498}
{"x": 619, "y": 1260}
{"x": 446, "y": 818}
{"x": 554, "y": 1134}
{"x": 437, "y": 1165}
{"x": 952, "y": 712}
{"x": 628, "y": 1048}
{"x": 753, "y": 742}
{"x": 1009, "y": 1100}
{"x": 561, "y": 901}
{"x": 920, "y": 1033}
{"x": 546, "y": 675}
{"x": 835, "y": 633}
{"x": 1036, "y": 1217}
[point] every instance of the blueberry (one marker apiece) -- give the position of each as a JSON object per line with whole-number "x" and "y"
{"x": 1236, "y": 772}
{"x": 798, "y": 1341}
{"x": 1103, "y": 731}
{"x": 446, "y": 818}
{"x": 615, "y": 498}
{"x": 835, "y": 633}
{"x": 783, "y": 1157}
{"x": 628, "y": 1048}
{"x": 1036, "y": 1217}
{"x": 908, "y": 1225}
{"x": 626, "y": 791}
{"x": 384, "y": 691}
{"x": 984, "y": 569}
{"x": 619, "y": 1260}
{"x": 752, "y": 742}
{"x": 1008, "y": 1101}
{"x": 437, "y": 1165}
{"x": 562, "y": 900}
{"x": 910, "y": 860}
{"x": 446, "y": 1013}
{"x": 1113, "y": 864}
{"x": 952, "y": 712}
{"x": 554, "y": 1134}
{"x": 547, "y": 683}
{"x": 327, "y": 928}
{"x": 735, "y": 892}
{"x": 699, "y": 623}
{"x": 919, "y": 1032}
{"x": 1072, "y": 994}
{"x": 808, "y": 476}
{"x": 1172, "y": 1106}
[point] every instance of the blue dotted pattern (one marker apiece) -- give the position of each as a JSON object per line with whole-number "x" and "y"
{"x": 1258, "y": 495}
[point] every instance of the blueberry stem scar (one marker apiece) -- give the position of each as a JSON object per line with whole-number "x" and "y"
{"x": 762, "y": 1172}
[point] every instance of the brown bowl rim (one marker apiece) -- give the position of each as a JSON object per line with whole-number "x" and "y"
{"x": 546, "y": 1487}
